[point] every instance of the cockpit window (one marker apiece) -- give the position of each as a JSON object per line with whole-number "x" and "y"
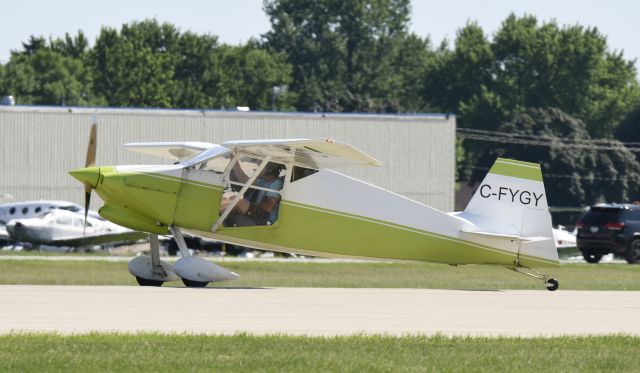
{"x": 217, "y": 164}
{"x": 260, "y": 203}
{"x": 301, "y": 172}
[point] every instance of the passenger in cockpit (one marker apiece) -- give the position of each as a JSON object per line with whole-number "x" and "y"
{"x": 257, "y": 207}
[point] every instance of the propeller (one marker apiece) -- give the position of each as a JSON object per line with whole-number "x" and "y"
{"x": 90, "y": 162}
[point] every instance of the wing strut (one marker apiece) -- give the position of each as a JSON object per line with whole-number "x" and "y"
{"x": 182, "y": 245}
{"x": 156, "y": 265}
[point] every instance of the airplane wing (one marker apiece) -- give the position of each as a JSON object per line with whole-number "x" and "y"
{"x": 315, "y": 153}
{"x": 99, "y": 239}
{"x": 171, "y": 150}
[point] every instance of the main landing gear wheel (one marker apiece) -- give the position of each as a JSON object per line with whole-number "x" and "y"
{"x": 194, "y": 284}
{"x": 552, "y": 284}
{"x": 150, "y": 270}
{"x": 145, "y": 282}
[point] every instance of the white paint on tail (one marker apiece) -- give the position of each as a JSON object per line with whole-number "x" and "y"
{"x": 511, "y": 204}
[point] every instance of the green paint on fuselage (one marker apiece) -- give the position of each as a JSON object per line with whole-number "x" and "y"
{"x": 313, "y": 229}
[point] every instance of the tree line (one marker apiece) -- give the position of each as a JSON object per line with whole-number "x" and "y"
{"x": 537, "y": 91}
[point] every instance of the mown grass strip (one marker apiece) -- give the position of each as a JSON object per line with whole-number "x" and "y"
{"x": 247, "y": 353}
{"x": 371, "y": 275}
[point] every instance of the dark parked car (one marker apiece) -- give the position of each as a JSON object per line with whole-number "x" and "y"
{"x": 610, "y": 228}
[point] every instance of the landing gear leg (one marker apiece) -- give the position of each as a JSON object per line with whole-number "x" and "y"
{"x": 184, "y": 250}
{"x": 150, "y": 270}
{"x": 550, "y": 283}
{"x": 156, "y": 267}
{"x": 179, "y": 238}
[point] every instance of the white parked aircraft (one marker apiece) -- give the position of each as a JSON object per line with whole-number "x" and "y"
{"x": 32, "y": 209}
{"x": 59, "y": 227}
{"x": 564, "y": 239}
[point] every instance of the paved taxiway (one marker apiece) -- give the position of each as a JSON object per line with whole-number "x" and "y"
{"x": 316, "y": 311}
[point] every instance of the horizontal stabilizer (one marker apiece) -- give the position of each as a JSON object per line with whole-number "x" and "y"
{"x": 171, "y": 150}
{"x": 509, "y": 237}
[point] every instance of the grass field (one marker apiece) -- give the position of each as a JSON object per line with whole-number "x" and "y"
{"x": 280, "y": 353}
{"x": 296, "y": 274}
{"x": 245, "y": 353}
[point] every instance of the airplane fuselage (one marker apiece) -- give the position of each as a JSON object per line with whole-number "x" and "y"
{"x": 324, "y": 214}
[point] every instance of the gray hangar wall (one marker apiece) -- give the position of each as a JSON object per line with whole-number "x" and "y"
{"x": 41, "y": 144}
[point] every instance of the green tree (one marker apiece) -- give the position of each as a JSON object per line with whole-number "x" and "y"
{"x": 196, "y": 77}
{"x": 42, "y": 74}
{"x": 569, "y": 68}
{"x": 531, "y": 65}
{"x": 247, "y": 75}
{"x": 586, "y": 172}
{"x": 76, "y": 46}
{"x": 148, "y": 64}
{"x": 345, "y": 54}
{"x": 2, "y": 86}
{"x": 629, "y": 129}
{"x": 133, "y": 67}
{"x": 463, "y": 78}
{"x": 528, "y": 64}
{"x": 34, "y": 44}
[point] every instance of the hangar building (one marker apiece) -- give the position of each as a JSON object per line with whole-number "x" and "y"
{"x": 41, "y": 144}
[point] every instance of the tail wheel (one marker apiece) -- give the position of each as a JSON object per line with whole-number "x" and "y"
{"x": 633, "y": 253}
{"x": 552, "y": 284}
{"x": 145, "y": 282}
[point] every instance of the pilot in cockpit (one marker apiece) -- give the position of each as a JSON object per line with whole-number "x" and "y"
{"x": 257, "y": 207}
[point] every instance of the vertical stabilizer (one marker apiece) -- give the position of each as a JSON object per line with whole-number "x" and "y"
{"x": 511, "y": 200}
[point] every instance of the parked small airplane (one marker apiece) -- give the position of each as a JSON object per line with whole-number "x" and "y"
{"x": 280, "y": 195}
{"x": 565, "y": 242}
{"x": 564, "y": 239}
{"x": 59, "y": 227}
{"x": 33, "y": 209}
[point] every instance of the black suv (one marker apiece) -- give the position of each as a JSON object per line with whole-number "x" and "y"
{"x": 610, "y": 228}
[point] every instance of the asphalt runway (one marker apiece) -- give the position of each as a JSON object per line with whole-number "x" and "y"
{"x": 316, "y": 311}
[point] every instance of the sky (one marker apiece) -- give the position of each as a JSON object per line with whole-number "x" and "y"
{"x": 236, "y": 21}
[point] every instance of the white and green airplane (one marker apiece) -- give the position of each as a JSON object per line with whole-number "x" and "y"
{"x": 282, "y": 195}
